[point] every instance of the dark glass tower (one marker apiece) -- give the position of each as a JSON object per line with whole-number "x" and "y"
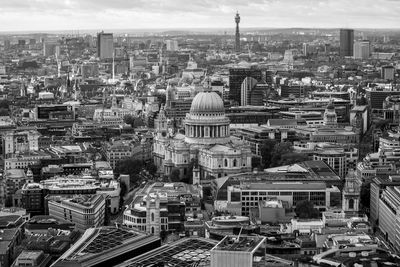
{"x": 236, "y": 78}
{"x": 346, "y": 42}
{"x": 237, "y": 39}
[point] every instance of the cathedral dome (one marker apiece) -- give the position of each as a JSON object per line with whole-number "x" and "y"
{"x": 207, "y": 103}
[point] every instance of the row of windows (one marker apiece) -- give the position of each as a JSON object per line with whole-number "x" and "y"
{"x": 135, "y": 220}
{"x": 276, "y": 193}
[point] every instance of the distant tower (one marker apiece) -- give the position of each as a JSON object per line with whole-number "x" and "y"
{"x": 237, "y": 40}
{"x": 351, "y": 193}
{"x": 346, "y": 42}
{"x": 105, "y": 45}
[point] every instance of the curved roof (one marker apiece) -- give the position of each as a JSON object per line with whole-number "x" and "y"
{"x": 207, "y": 102}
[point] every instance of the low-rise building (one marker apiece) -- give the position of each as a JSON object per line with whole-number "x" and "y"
{"x": 85, "y": 211}
{"x": 313, "y": 181}
{"x": 24, "y": 160}
{"x": 162, "y": 207}
{"x": 238, "y": 251}
{"x": 225, "y": 225}
{"x": 389, "y": 215}
{"x": 9, "y": 240}
{"x": 14, "y": 180}
{"x": 377, "y": 187}
{"x": 304, "y": 226}
{"x": 33, "y": 194}
{"x": 32, "y": 258}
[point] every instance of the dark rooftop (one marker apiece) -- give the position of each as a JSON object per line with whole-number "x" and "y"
{"x": 106, "y": 244}
{"x": 185, "y": 252}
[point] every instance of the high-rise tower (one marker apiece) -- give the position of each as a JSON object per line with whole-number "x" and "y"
{"x": 346, "y": 42}
{"x": 237, "y": 39}
{"x": 105, "y": 45}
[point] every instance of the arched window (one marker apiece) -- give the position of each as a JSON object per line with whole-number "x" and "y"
{"x": 152, "y": 217}
{"x": 226, "y": 163}
{"x": 234, "y": 163}
{"x": 351, "y": 204}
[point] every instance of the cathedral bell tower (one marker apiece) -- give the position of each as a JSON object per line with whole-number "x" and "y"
{"x": 351, "y": 193}
{"x": 161, "y": 123}
{"x": 153, "y": 223}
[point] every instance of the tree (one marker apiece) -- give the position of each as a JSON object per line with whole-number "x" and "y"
{"x": 124, "y": 189}
{"x": 279, "y": 150}
{"x": 207, "y": 192}
{"x": 292, "y": 158}
{"x": 129, "y": 119}
{"x": 382, "y": 124}
{"x": 267, "y": 152}
{"x": 130, "y": 166}
{"x": 4, "y": 112}
{"x": 175, "y": 175}
{"x": 138, "y": 122}
{"x": 151, "y": 168}
{"x": 4, "y": 104}
{"x": 189, "y": 174}
{"x": 305, "y": 210}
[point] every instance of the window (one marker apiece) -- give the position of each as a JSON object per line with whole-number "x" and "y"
{"x": 152, "y": 217}
{"x": 234, "y": 163}
{"x": 226, "y": 163}
{"x": 351, "y": 204}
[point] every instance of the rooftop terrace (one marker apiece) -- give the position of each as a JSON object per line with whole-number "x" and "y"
{"x": 243, "y": 243}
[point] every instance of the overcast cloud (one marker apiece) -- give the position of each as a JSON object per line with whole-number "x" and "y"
{"x": 42, "y": 15}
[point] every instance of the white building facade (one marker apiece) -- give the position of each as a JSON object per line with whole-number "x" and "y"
{"x": 207, "y": 141}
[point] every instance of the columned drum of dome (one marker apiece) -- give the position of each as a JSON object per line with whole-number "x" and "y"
{"x": 206, "y": 123}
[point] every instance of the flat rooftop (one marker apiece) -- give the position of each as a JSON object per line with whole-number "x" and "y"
{"x": 165, "y": 190}
{"x": 29, "y": 255}
{"x": 303, "y": 172}
{"x": 361, "y": 256}
{"x": 242, "y": 243}
{"x": 182, "y": 253}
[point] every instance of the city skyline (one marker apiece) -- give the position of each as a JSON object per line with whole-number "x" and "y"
{"x": 46, "y": 15}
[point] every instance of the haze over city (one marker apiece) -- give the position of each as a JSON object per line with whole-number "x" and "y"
{"x": 224, "y": 133}
{"x": 48, "y": 15}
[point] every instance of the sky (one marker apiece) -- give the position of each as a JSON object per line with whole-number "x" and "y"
{"x": 49, "y": 15}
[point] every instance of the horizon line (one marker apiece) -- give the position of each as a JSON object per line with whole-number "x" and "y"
{"x": 191, "y": 29}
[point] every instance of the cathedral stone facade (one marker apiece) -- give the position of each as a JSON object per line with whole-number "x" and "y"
{"x": 207, "y": 142}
